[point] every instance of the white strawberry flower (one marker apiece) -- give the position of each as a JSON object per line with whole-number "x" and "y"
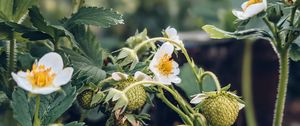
{"x": 164, "y": 67}
{"x": 172, "y": 34}
{"x": 47, "y": 75}
{"x": 250, "y": 9}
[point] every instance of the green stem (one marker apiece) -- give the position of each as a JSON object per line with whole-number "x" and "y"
{"x": 184, "y": 51}
{"x": 186, "y": 107}
{"x": 246, "y": 83}
{"x": 216, "y": 80}
{"x": 102, "y": 82}
{"x": 37, "y": 121}
{"x": 272, "y": 29}
{"x": 282, "y": 87}
{"x": 183, "y": 116}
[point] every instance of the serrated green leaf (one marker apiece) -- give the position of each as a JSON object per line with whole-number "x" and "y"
{"x": 55, "y": 31}
{"x": 89, "y": 61}
{"x": 85, "y": 67}
{"x": 295, "y": 52}
{"x": 54, "y": 105}
{"x": 75, "y": 123}
{"x": 95, "y": 16}
{"x": 22, "y": 107}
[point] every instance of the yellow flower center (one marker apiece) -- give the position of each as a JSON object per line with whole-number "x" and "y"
{"x": 40, "y": 76}
{"x": 165, "y": 65}
{"x": 251, "y": 2}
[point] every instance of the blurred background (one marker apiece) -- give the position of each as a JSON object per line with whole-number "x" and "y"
{"x": 223, "y": 57}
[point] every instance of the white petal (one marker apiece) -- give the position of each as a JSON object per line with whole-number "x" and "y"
{"x": 117, "y": 76}
{"x": 175, "y": 80}
{"x": 166, "y": 48}
{"x": 52, "y": 60}
{"x": 198, "y": 98}
{"x": 163, "y": 80}
{"x": 44, "y": 90}
{"x": 22, "y": 74}
{"x": 241, "y": 106}
{"x": 265, "y": 4}
{"x": 22, "y": 82}
{"x": 171, "y": 31}
{"x": 239, "y": 14}
{"x": 63, "y": 77}
{"x": 254, "y": 9}
{"x": 175, "y": 64}
{"x": 140, "y": 76}
{"x": 244, "y": 5}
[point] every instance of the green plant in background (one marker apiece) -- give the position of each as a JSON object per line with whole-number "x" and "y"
{"x": 281, "y": 19}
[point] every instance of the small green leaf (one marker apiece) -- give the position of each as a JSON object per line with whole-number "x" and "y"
{"x": 98, "y": 97}
{"x": 216, "y": 33}
{"x": 22, "y": 107}
{"x": 95, "y": 16}
{"x": 131, "y": 118}
{"x": 54, "y": 105}
{"x": 295, "y": 52}
{"x": 121, "y": 103}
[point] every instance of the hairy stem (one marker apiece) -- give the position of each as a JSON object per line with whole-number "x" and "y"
{"x": 282, "y": 87}
{"x": 247, "y": 84}
{"x": 37, "y": 121}
{"x": 11, "y": 54}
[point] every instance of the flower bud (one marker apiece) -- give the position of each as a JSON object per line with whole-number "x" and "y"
{"x": 128, "y": 56}
{"x": 290, "y": 2}
{"x": 274, "y": 14}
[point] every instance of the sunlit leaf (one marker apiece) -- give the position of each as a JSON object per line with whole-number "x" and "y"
{"x": 95, "y": 16}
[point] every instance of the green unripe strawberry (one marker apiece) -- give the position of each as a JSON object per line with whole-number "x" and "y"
{"x": 220, "y": 109}
{"x": 85, "y": 99}
{"x": 136, "y": 96}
